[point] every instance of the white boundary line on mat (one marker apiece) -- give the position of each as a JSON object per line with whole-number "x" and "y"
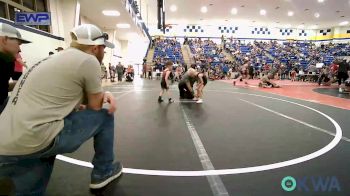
{"x": 318, "y": 153}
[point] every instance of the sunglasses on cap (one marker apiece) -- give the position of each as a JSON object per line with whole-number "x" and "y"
{"x": 104, "y": 36}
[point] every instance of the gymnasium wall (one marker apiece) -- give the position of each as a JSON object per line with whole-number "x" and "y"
{"x": 236, "y": 31}
{"x": 42, "y": 43}
{"x": 253, "y": 32}
{"x": 39, "y": 48}
{"x": 335, "y": 33}
{"x": 134, "y": 50}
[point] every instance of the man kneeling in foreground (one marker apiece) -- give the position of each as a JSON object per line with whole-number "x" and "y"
{"x": 44, "y": 116}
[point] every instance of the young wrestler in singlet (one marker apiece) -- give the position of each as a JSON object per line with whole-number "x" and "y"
{"x": 164, "y": 84}
{"x": 202, "y": 80}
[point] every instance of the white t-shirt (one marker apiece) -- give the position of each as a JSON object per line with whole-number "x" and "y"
{"x": 44, "y": 95}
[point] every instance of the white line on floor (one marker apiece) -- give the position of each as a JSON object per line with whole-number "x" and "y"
{"x": 296, "y": 120}
{"x": 122, "y": 95}
{"x": 259, "y": 168}
{"x": 315, "y": 101}
{"x": 185, "y": 101}
{"x": 216, "y": 184}
{"x": 118, "y": 92}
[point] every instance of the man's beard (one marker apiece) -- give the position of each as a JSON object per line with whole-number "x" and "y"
{"x": 100, "y": 59}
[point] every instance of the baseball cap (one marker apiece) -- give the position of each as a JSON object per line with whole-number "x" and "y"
{"x": 11, "y": 32}
{"x": 88, "y": 34}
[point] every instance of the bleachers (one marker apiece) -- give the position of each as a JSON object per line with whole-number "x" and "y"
{"x": 168, "y": 49}
{"x": 255, "y": 52}
{"x": 207, "y": 51}
{"x": 287, "y": 53}
{"x": 245, "y": 49}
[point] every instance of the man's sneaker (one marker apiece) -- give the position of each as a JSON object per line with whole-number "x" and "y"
{"x": 100, "y": 182}
{"x": 160, "y": 100}
{"x": 200, "y": 101}
{"x": 171, "y": 100}
{"x": 195, "y": 99}
{"x": 341, "y": 90}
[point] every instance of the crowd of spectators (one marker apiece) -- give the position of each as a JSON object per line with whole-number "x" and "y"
{"x": 303, "y": 61}
{"x": 167, "y": 50}
{"x": 291, "y": 60}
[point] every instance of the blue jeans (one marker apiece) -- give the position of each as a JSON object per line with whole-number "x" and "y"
{"x": 30, "y": 174}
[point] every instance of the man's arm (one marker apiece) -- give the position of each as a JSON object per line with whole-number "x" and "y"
{"x": 95, "y": 101}
{"x": 92, "y": 86}
{"x": 189, "y": 86}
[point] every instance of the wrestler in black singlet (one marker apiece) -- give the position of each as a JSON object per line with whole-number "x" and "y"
{"x": 163, "y": 82}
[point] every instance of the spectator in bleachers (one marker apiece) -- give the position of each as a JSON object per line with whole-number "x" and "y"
{"x": 264, "y": 56}
{"x": 288, "y": 53}
{"x": 167, "y": 49}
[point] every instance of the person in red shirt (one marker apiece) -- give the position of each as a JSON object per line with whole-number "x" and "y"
{"x": 334, "y": 68}
{"x": 19, "y": 64}
{"x": 333, "y": 71}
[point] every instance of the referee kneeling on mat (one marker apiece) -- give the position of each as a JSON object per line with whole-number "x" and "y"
{"x": 45, "y": 116}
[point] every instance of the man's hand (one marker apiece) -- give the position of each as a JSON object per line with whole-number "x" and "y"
{"x": 82, "y": 107}
{"x": 109, "y": 98}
